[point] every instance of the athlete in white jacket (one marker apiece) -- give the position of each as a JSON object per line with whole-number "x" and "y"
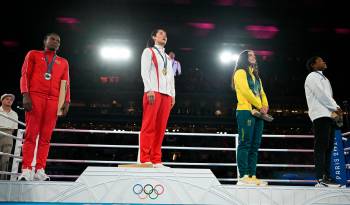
{"x": 319, "y": 97}
{"x": 158, "y": 99}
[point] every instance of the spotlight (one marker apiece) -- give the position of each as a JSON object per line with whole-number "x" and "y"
{"x": 227, "y": 57}
{"x": 115, "y": 53}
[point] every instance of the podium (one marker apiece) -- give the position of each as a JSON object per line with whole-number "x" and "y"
{"x": 149, "y": 185}
{"x": 124, "y": 185}
{"x": 111, "y": 185}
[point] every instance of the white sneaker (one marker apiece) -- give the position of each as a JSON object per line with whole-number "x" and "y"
{"x": 160, "y": 165}
{"x": 26, "y": 175}
{"x": 41, "y": 176}
{"x": 319, "y": 185}
{"x": 327, "y": 182}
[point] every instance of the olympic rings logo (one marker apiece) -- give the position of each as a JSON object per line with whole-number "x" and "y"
{"x": 148, "y": 191}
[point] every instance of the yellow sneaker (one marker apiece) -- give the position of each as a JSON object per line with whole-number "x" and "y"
{"x": 245, "y": 181}
{"x": 258, "y": 182}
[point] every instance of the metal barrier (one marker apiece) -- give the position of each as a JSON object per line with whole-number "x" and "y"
{"x": 18, "y": 146}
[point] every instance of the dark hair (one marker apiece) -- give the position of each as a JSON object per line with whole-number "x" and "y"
{"x": 150, "y": 42}
{"x": 243, "y": 63}
{"x": 50, "y": 34}
{"x": 310, "y": 62}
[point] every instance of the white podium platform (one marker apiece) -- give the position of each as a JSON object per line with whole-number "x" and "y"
{"x": 288, "y": 195}
{"x": 110, "y": 185}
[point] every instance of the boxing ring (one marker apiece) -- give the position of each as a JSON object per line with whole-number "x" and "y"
{"x": 109, "y": 185}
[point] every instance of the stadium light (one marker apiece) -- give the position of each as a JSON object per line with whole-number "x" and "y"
{"x": 227, "y": 57}
{"x": 115, "y": 53}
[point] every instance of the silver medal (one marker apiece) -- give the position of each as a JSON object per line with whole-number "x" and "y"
{"x": 47, "y": 76}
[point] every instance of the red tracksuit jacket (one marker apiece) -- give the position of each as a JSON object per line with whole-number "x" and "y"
{"x": 33, "y": 70}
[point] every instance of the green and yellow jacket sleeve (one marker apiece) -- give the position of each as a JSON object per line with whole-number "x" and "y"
{"x": 264, "y": 101}
{"x": 242, "y": 88}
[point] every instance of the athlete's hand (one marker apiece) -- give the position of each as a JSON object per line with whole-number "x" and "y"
{"x": 339, "y": 111}
{"x": 27, "y": 102}
{"x": 65, "y": 108}
{"x": 264, "y": 110}
{"x": 172, "y": 102}
{"x": 151, "y": 97}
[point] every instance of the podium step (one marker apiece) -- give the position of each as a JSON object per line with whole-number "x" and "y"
{"x": 128, "y": 185}
{"x": 135, "y": 166}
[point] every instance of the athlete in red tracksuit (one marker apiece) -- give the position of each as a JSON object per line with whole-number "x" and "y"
{"x": 42, "y": 72}
{"x": 158, "y": 99}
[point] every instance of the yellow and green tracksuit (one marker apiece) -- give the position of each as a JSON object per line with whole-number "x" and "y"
{"x": 250, "y": 93}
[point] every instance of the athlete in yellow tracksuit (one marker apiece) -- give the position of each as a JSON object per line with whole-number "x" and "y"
{"x": 250, "y": 94}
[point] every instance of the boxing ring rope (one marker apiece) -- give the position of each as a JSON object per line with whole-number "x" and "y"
{"x": 174, "y": 147}
{"x": 14, "y": 120}
{"x": 17, "y": 158}
{"x": 176, "y": 133}
{"x": 11, "y": 136}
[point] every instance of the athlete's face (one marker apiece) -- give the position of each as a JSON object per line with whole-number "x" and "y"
{"x": 319, "y": 64}
{"x": 160, "y": 38}
{"x": 52, "y": 42}
{"x": 251, "y": 57}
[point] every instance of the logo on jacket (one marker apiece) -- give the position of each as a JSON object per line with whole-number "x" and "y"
{"x": 56, "y": 61}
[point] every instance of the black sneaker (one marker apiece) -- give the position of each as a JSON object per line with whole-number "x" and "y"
{"x": 327, "y": 182}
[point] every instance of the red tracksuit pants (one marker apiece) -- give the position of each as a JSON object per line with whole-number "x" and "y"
{"x": 154, "y": 122}
{"x": 40, "y": 122}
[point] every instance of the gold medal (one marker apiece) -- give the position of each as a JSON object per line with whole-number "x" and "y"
{"x": 164, "y": 71}
{"x": 165, "y": 61}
